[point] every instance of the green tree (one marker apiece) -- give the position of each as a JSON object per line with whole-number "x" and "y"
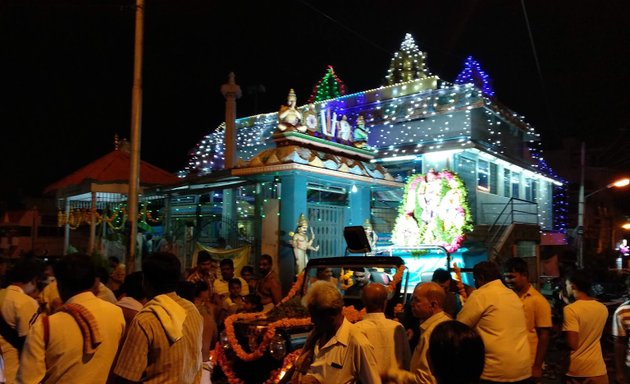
{"x": 329, "y": 87}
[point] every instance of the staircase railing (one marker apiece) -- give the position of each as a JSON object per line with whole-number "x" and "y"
{"x": 515, "y": 211}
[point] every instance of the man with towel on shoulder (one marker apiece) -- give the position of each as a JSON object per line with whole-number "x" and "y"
{"x": 77, "y": 344}
{"x": 163, "y": 343}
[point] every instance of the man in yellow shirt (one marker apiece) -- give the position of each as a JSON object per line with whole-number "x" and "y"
{"x": 583, "y": 325}
{"x": 58, "y": 349}
{"x": 496, "y": 313}
{"x": 537, "y": 311}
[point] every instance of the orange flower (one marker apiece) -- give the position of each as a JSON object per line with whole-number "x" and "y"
{"x": 269, "y": 334}
{"x": 294, "y": 288}
{"x": 352, "y": 314}
{"x": 396, "y": 279}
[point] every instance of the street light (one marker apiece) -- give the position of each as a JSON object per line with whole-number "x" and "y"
{"x": 581, "y": 203}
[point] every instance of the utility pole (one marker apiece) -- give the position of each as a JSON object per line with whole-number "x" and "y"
{"x": 581, "y": 202}
{"x": 136, "y": 127}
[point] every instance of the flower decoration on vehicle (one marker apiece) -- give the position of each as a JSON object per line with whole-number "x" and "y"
{"x": 218, "y": 355}
{"x": 391, "y": 286}
{"x": 434, "y": 211}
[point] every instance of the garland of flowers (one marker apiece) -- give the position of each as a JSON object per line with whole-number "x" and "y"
{"x": 226, "y": 365}
{"x": 391, "y": 287}
{"x": 77, "y": 216}
{"x": 349, "y": 312}
{"x": 434, "y": 211}
{"x": 275, "y": 376}
{"x": 294, "y": 288}
{"x": 271, "y": 328}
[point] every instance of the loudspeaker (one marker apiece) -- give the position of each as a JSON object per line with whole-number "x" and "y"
{"x": 356, "y": 240}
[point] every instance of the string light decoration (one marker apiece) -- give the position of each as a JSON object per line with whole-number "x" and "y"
{"x": 329, "y": 87}
{"x": 411, "y": 117}
{"x": 473, "y": 74}
{"x": 407, "y": 64}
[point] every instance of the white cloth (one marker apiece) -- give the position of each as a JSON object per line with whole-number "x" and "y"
{"x": 497, "y": 314}
{"x": 389, "y": 339}
{"x": 346, "y": 358}
{"x": 588, "y": 319}
{"x": 170, "y": 314}
{"x": 63, "y": 360}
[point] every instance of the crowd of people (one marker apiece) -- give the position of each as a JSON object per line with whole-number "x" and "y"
{"x": 497, "y": 332}
{"x": 72, "y": 321}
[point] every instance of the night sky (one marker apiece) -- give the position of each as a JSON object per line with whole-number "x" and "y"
{"x": 66, "y": 68}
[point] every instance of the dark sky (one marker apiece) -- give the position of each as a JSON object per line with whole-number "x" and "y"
{"x": 66, "y": 67}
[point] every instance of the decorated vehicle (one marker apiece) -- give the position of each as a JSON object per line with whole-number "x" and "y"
{"x": 261, "y": 347}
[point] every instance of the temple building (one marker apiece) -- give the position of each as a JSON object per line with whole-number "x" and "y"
{"x": 343, "y": 160}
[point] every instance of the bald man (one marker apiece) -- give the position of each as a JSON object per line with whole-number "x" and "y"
{"x": 388, "y": 336}
{"x": 427, "y": 305}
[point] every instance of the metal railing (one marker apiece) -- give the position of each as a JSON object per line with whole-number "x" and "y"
{"x": 515, "y": 211}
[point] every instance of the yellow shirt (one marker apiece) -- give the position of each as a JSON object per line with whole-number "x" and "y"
{"x": 148, "y": 356}
{"x": 221, "y": 288}
{"x": 587, "y": 318}
{"x": 537, "y": 315}
{"x": 20, "y": 312}
{"x": 497, "y": 314}
{"x": 63, "y": 361}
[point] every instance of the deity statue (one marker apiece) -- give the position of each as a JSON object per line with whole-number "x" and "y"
{"x": 360, "y": 135}
{"x": 311, "y": 121}
{"x": 290, "y": 119}
{"x": 343, "y": 134}
{"x": 370, "y": 234}
{"x": 301, "y": 244}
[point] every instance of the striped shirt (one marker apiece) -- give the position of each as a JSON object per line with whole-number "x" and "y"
{"x": 621, "y": 325}
{"x": 147, "y": 355}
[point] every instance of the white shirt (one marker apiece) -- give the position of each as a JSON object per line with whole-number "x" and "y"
{"x": 63, "y": 360}
{"x": 419, "y": 372}
{"x": 497, "y": 314}
{"x": 389, "y": 339}
{"x": 346, "y": 358}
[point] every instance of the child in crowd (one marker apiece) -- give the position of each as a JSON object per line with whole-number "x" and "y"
{"x": 234, "y": 302}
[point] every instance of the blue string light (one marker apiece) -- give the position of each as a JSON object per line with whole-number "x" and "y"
{"x": 473, "y": 74}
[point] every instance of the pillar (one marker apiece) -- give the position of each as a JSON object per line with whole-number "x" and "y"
{"x": 292, "y": 204}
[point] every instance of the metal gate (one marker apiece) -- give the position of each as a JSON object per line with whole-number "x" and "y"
{"x": 327, "y": 222}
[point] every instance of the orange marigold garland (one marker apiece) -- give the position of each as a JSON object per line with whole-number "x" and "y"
{"x": 277, "y": 374}
{"x": 396, "y": 279}
{"x": 226, "y": 366}
{"x": 269, "y": 334}
{"x": 274, "y": 377}
{"x": 295, "y": 288}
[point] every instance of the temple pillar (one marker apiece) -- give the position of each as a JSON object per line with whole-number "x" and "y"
{"x": 359, "y": 206}
{"x": 292, "y": 204}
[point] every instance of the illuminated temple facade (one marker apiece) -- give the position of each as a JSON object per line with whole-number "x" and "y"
{"x": 416, "y": 123}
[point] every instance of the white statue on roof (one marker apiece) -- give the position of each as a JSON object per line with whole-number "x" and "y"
{"x": 290, "y": 119}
